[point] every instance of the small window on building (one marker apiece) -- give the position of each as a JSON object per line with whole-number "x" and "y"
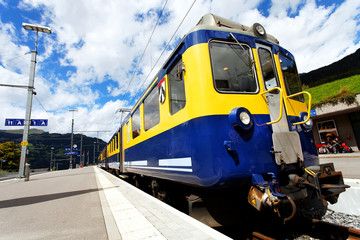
{"x": 177, "y": 88}
{"x": 326, "y": 128}
{"x": 291, "y": 77}
{"x": 151, "y": 109}
{"x": 136, "y": 123}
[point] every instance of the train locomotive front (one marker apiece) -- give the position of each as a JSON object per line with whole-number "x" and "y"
{"x": 226, "y": 112}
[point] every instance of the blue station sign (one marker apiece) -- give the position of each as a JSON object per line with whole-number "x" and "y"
{"x": 71, "y": 153}
{"x": 20, "y": 122}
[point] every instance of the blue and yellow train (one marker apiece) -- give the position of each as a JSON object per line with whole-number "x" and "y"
{"x": 225, "y": 118}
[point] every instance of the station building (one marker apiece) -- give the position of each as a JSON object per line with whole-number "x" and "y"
{"x": 341, "y": 120}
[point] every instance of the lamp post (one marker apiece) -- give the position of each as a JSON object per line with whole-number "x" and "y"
{"x": 24, "y": 142}
{"x": 72, "y": 136}
{"x": 3, "y": 160}
{"x": 94, "y": 154}
{"x": 51, "y": 155}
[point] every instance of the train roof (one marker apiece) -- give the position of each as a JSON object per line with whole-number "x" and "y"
{"x": 213, "y": 22}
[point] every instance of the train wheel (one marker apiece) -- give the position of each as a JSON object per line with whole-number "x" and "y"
{"x": 312, "y": 206}
{"x": 170, "y": 193}
{"x": 158, "y": 192}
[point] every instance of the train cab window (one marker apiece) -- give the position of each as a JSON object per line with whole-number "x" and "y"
{"x": 177, "y": 88}
{"x": 136, "y": 123}
{"x": 151, "y": 109}
{"x": 232, "y": 67}
{"x": 291, "y": 77}
{"x": 267, "y": 68}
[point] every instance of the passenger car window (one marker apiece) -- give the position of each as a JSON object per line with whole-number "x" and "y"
{"x": 151, "y": 109}
{"x": 136, "y": 123}
{"x": 176, "y": 88}
{"x": 232, "y": 67}
{"x": 291, "y": 77}
{"x": 267, "y": 68}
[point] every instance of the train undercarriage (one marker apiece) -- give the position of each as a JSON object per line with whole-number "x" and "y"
{"x": 304, "y": 194}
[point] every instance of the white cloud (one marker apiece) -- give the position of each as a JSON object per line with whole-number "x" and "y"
{"x": 281, "y": 8}
{"x": 12, "y": 57}
{"x": 318, "y": 35}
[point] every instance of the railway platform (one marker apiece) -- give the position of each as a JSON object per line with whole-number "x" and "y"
{"x": 89, "y": 203}
{"x": 349, "y": 165}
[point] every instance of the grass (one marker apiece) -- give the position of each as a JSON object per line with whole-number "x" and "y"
{"x": 343, "y": 90}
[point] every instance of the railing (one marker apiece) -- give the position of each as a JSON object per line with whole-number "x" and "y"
{"x": 281, "y": 103}
{"x": 309, "y": 107}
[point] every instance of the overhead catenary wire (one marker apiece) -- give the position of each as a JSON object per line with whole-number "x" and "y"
{"x": 147, "y": 44}
{"x": 153, "y": 66}
{"x": 47, "y": 112}
{"x": 138, "y": 63}
{"x": 167, "y": 45}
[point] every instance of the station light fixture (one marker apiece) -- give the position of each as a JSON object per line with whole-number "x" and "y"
{"x": 36, "y": 28}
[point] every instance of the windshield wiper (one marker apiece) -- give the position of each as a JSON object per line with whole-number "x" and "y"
{"x": 252, "y": 62}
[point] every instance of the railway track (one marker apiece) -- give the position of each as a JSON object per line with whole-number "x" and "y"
{"x": 256, "y": 227}
{"x": 311, "y": 229}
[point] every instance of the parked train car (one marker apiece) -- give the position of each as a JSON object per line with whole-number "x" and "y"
{"x": 225, "y": 119}
{"x": 102, "y": 158}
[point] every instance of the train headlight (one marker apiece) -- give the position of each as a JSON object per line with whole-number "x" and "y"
{"x": 245, "y": 118}
{"x": 307, "y": 125}
{"x": 241, "y": 119}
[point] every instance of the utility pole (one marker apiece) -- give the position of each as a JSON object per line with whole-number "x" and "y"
{"x": 51, "y": 155}
{"x": 122, "y": 111}
{"x": 95, "y": 143}
{"x": 94, "y": 153}
{"x": 81, "y": 153}
{"x": 72, "y": 136}
{"x": 27, "y": 123}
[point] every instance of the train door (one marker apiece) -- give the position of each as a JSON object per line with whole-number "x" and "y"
{"x": 287, "y": 146}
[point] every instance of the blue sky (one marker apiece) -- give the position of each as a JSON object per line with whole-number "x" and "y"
{"x": 89, "y": 60}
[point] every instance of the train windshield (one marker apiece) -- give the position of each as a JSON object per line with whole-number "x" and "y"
{"x": 291, "y": 77}
{"x": 232, "y": 67}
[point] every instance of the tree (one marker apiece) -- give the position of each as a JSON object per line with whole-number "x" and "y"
{"x": 10, "y": 152}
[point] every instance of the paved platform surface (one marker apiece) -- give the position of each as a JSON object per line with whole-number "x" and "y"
{"x": 348, "y": 163}
{"x": 89, "y": 203}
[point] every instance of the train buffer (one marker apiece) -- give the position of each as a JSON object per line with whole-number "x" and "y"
{"x": 89, "y": 203}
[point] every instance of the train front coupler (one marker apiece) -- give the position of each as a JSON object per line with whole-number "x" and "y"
{"x": 327, "y": 183}
{"x": 266, "y": 194}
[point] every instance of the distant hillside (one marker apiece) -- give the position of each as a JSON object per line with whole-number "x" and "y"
{"x": 342, "y": 90}
{"x": 346, "y": 67}
{"x": 40, "y": 144}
